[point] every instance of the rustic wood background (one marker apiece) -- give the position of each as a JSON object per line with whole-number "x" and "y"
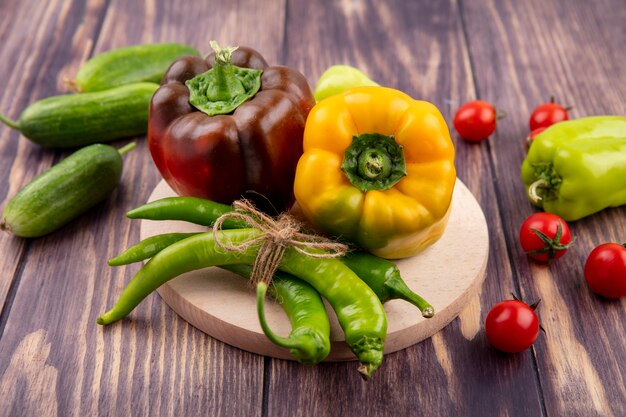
{"x": 54, "y": 359}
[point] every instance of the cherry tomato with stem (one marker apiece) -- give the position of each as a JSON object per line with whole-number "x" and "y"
{"x": 545, "y": 237}
{"x": 605, "y": 270}
{"x": 512, "y": 326}
{"x": 475, "y": 120}
{"x": 547, "y": 114}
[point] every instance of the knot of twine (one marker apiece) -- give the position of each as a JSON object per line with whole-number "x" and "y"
{"x": 277, "y": 235}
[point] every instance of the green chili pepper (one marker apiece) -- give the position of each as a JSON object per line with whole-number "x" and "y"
{"x": 359, "y": 311}
{"x": 174, "y": 260}
{"x": 190, "y": 209}
{"x": 147, "y": 248}
{"x": 381, "y": 275}
{"x": 577, "y": 167}
{"x": 309, "y": 340}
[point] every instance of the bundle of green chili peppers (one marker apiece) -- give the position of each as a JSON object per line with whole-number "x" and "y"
{"x": 355, "y": 285}
{"x": 576, "y": 168}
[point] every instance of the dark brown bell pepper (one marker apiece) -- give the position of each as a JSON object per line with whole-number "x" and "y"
{"x": 242, "y": 143}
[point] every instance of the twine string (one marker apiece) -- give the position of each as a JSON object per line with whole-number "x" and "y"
{"x": 276, "y": 236}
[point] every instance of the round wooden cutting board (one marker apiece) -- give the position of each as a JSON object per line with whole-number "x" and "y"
{"x": 448, "y": 275}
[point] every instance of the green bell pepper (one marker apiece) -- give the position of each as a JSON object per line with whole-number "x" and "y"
{"x": 578, "y": 167}
{"x": 339, "y": 78}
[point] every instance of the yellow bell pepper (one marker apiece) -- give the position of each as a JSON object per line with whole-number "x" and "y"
{"x": 377, "y": 170}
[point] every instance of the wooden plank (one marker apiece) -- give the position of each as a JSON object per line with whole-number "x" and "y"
{"x": 547, "y": 48}
{"x": 55, "y": 360}
{"x": 41, "y": 42}
{"x": 418, "y": 48}
{"x": 153, "y": 363}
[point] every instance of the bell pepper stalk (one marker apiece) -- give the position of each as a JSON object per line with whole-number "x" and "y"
{"x": 576, "y": 168}
{"x": 373, "y": 162}
{"x": 224, "y": 87}
{"x": 230, "y": 126}
{"x": 377, "y": 170}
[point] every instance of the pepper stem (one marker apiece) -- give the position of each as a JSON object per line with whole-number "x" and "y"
{"x": 366, "y": 370}
{"x": 11, "y": 123}
{"x": 374, "y": 162}
{"x": 398, "y": 288}
{"x": 222, "y": 55}
{"x": 261, "y": 291}
{"x": 225, "y": 84}
{"x": 534, "y": 187}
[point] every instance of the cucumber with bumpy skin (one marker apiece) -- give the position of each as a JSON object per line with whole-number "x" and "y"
{"x": 131, "y": 64}
{"x": 75, "y": 120}
{"x": 64, "y": 191}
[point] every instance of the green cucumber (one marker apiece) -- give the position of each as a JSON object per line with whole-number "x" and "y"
{"x": 132, "y": 64}
{"x": 74, "y": 120}
{"x": 64, "y": 191}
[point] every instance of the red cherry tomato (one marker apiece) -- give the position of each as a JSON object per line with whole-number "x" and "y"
{"x": 547, "y": 114}
{"x": 545, "y": 237}
{"x": 605, "y": 270}
{"x": 475, "y": 120}
{"x": 531, "y": 137}
{"x": 512, "y": 326}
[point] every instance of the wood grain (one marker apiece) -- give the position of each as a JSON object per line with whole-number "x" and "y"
{"x": 32, "y": 63}
{"x": 55, "y": 361}
{"x": 578, "y": 368}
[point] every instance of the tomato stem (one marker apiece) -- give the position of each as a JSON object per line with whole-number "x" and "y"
{"x": 532, "y": 306}
{"x": 551, "y": 245}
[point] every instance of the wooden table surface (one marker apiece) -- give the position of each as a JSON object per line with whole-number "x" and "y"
{"x": 55, "y": 360}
